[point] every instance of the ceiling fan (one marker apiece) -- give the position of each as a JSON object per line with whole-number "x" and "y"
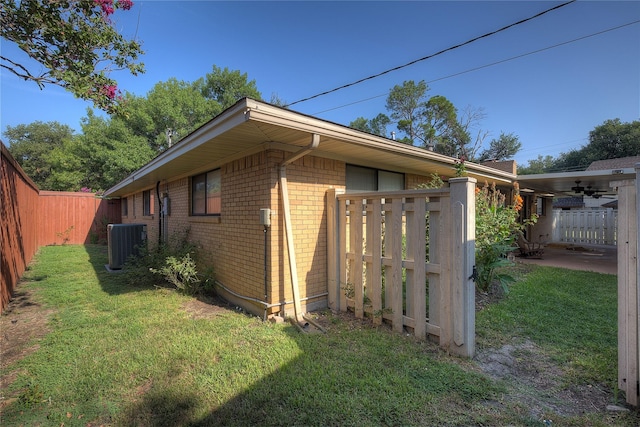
{"x": 595, "y": 193}
{"x": 578, "y": 188}
{"x": 588, "y": 191}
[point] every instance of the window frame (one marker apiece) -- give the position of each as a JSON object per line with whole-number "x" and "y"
{"x": 214, "y": 198}
{"x": 124, "y": 207}
{"x": 377, "y": 173}
{"x": 148, "y": 203}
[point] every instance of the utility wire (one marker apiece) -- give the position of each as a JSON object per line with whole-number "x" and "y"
{"x": 538, "y": 148}
{"x": 522, "y": 21}
{"x": 489, "y": 65}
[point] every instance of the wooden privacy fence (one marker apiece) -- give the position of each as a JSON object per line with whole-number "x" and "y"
{"x": 407, "y": 257}
{"x": 75, "y": 218}
{"x": 595, "y": 227}
{"x": 32, "y": 218}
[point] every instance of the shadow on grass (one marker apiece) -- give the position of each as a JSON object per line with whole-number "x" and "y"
{"x": 334, "y": 380}
{"x": 354, "y": 374}
{"x": 111, "y": 281}
{"x": 226, "y": 369}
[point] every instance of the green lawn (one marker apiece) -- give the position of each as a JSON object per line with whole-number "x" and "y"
{"x": 123, "y": 355}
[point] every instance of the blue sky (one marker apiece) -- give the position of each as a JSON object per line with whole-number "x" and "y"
{"x": 550, "y": 99}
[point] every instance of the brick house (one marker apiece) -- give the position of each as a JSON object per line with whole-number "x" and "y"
{"x": 256, "y": 161}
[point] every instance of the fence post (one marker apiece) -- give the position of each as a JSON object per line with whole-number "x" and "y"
{"x": 463, "y": 317}
{"x": 629, "y": 287}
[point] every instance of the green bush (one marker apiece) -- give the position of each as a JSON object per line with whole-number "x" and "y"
{"x": 497, "y": 224}
{"x": 180, "y": 272}
{"x": 176, "y": 262}
{"x": 489, "y": 263}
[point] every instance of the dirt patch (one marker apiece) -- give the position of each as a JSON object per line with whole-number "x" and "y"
{"x": 537, "y": 383}
{"x": 23, "y": 324}
{"x": 206, "y": 307}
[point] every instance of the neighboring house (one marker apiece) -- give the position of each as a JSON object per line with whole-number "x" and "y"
{"x": 567, "y": 203}
{"x": 256, "y": 163}
{"x": 614, "y": 164}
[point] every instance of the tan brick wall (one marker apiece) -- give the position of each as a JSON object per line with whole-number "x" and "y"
{"x": 413, "y": 181}
{"x": 234, "y": 242}
{"x": 308, "y": 180}
{"x": 135, "y": 216}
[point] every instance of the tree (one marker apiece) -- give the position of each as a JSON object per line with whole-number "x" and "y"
{"x": 469, "y": 121}
{"x": 31, "y": 145}
{"x": 226, "y": 87}
{"x": 104, "y": 154}
{"x": 441, "y": 127}
{"x": 75, "y": 41}
{"x": 536, "y": 166}
{"x": 610, "y": 140}
{"x": 406, "y": 104}
{"x": 376, "y": 126}
{"x": 173, "y": 109}
{"x": 170, "y": 110}
{"x": 614, "y": 139}
{"x": 431, "y": 123}
{"x": 502, "y": 148}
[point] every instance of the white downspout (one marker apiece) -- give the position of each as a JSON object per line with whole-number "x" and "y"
{"x": 315, "y": 141}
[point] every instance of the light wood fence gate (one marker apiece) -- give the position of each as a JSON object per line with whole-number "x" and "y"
{"x": 407, "y": 257}
{"x": 629, "y": 288}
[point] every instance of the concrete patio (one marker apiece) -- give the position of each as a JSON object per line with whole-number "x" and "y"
{"x": 600, "y": 259}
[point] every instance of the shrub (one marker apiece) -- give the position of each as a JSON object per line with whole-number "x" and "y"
{"x": 176, "y": 261}
{"x": 497, "y": 224}
{"x": 180, "y": 272}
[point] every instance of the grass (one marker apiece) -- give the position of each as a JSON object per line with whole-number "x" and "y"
{"x": 571, "y": 314}
{"x": 123, "y": 355}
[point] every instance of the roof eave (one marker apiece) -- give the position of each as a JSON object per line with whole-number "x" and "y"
{"x": 258, "y": 112}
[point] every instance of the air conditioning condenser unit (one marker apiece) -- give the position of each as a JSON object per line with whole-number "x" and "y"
{"x": 123, "y": 241}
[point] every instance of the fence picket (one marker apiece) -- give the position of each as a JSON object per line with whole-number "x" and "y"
{"x": 374, "y": 268}
{"x": 396, "y": 263}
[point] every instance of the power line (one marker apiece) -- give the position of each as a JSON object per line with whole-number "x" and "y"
{"x": 522, "y": 21}
{"x": 553, "y": 145}
{"x": 489, "y": 65}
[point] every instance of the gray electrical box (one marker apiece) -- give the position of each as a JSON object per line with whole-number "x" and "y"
{"x": 265, "y": 217}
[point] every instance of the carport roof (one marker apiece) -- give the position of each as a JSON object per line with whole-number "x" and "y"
{"x": 560, "y": 184}
{"x": 252, "y": 126}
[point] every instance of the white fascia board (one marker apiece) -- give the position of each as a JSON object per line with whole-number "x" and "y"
{"x": 276, "y": 116}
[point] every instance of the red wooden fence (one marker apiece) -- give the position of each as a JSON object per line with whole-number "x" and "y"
{"x": 19, "y": 197}
{"x": 32, "y": 218}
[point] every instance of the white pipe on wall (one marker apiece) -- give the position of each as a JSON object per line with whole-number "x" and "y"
{"x": 293, "y": 268}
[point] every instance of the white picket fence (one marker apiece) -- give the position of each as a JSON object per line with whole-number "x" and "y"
{"x": 593, "y": 227}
